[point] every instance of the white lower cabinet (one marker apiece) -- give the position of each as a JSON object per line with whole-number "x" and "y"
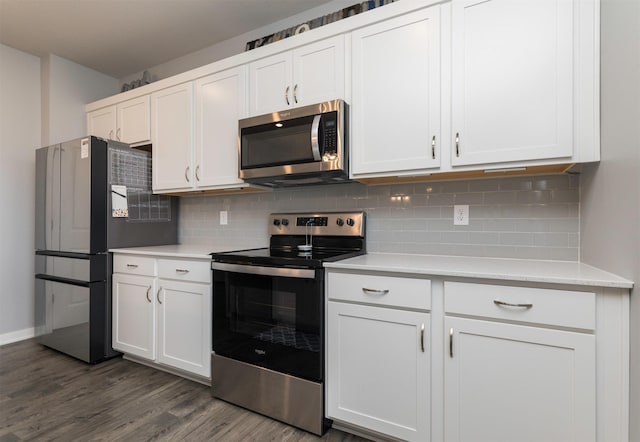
{"x": 134, "y": 315}
{"x": 184, "y": 326}
{"x": 378, "y": 356}
{"x": 162, "y": 311}
{"x": 419, "y": 359}
{"x": 507, "y": 381}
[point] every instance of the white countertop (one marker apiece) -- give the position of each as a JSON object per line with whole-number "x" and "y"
{"x": 558, "y": 272}
{"x": 194, "y": 251}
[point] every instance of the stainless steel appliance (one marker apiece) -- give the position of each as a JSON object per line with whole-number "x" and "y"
{"x": 268, "y": 316}
{"x": 91, "y": 195}
{"x": 299, "y": 146}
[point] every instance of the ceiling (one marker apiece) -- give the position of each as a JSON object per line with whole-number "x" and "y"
{"x": 123, "y": 37}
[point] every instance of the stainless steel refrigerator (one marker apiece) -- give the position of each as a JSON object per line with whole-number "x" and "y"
{"x": 91, "y": 195}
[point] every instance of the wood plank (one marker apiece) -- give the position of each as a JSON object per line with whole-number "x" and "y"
{"x": 45, "y": 395}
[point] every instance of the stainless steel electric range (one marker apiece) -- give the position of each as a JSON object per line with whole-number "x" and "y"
{"x": 268, "y": 316}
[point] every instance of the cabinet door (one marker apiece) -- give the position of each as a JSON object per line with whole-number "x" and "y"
{"x": 184, "y": 326}
{"x": 220, "y": 102}
{"x": 270, "y": 84}
{"x": 172, "y": 137}
{"x": 512, "y": 80}
{"x": 507, "y": 382}
{"x": 378, "y": 369}
{"x": 318, "y": 72}
{"x": 133, "y": 315}
{"x": 134, "y": 121}
{"x": 102, "y": 123}
{"x": 396, "y": 95}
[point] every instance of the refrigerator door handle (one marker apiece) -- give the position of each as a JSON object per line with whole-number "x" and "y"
{"x": 63, "y": 280}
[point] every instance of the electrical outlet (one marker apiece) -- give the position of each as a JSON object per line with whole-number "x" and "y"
{"x": 223, "y": 217}
{"x": 461, "y": 215}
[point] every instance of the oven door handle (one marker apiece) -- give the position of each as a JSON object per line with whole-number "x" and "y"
{"x": 266, "y": 271}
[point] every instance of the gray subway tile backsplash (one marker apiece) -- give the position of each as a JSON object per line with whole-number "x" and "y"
{"x": 515, "y": 217}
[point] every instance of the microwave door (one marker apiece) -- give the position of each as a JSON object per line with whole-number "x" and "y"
{"x": 280, "y": 143}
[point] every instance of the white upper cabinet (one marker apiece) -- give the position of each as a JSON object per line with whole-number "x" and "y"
{"x": 102, "y": 122}
{"x": 432, "y": 87}
{"x": 221, "y": 100}
{"x": 129, "y": 121}
{"x": 512, "y": 80}
{"x": 172, "y": 137}
{"x": 307, "y": 75}
{"x": 134, "y": 121}
{"x": 396, "y": 95}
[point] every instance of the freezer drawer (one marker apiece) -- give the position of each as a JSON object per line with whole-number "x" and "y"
{"x": 78, "y": 267}
{"x": 71, "y": 317}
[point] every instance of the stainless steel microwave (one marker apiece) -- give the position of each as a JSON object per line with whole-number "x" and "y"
{"x": 306, "y": 145}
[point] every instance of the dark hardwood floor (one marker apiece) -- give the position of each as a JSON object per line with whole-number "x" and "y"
{"x": 45, "y": 395}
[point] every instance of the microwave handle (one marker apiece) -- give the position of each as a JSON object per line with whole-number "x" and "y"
{"x": 315, "y": 146}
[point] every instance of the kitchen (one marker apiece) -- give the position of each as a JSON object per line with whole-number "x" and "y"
{"x": 585, "y": 223}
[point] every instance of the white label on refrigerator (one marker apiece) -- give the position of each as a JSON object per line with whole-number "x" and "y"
{"x": 119, "y": 208}
{"x": 84, "y": 148}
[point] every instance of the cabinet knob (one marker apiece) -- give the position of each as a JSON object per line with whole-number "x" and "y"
{"x": 295, "y": 93}
{"x": 286, "y": 95}
{"x": 148, "y": 290}
{"x": 457, "y": 144}
{"x": 158, "y": 295}
{"x": 186, "y": 174}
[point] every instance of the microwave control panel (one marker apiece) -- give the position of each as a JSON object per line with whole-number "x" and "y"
{"x": 330, "y": 133}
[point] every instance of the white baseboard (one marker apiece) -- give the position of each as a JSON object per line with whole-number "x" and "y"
{"x": 15, "y": 336}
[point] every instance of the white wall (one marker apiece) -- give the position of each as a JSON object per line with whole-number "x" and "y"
{"x": 610, "y": 199}
{"x": 235, "y": 45}
{"x": 19, "y": 137}
{"x": 67, "y": 87}
{"x": 41, "y": 103}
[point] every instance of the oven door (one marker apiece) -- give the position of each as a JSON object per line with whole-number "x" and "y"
{"x": 270, "y": 317}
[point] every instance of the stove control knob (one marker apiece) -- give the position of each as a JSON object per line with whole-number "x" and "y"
{"x": 276, "y": 222}
{"x": 350, "y": 222}
{"x": 285, "y": 222}
{"x": 340, "y": 222}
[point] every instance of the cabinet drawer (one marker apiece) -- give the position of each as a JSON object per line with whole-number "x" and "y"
{"x": 134, "y": 265}
{"x": 185, "y": 270}
{"x": 562, "y": 308}
{"x": 380, "y": 290}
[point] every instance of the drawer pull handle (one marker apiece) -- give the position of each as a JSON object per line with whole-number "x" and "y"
{"x": 374, "y": 292}
{"x": 422, "y": 338}
{"x": 132, "y": 266}
{"x": 509, "y": 304}
{"x": 148, "y": 289}
{"x": 183, "y": 271}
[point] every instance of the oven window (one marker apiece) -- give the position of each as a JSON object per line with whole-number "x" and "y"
{"x": 273, "y": 322}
